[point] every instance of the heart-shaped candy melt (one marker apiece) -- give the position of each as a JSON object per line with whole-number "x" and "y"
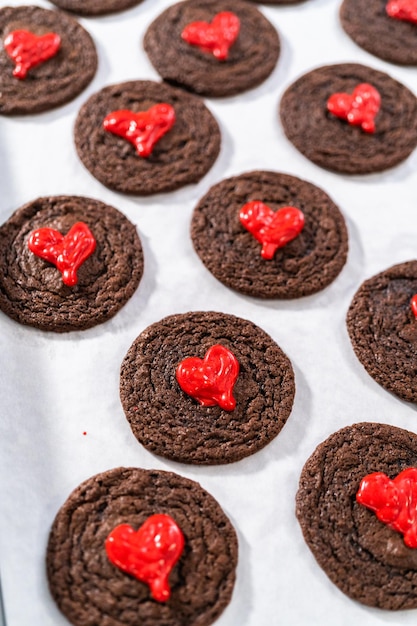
{"x": 67, "y": 252}
{"x": 413, "y": 304}
{"x": 143, "y": 129}
{"x": 210, "y": 381}
{"x": 216, "y": 36}
{"x": 359, "y": 108}
{"x": 273, "y": 229}
{"x": 394, "y": 501}
{"x": 27, "y": 49}
{"x": 148, "y": 554}
{"x": 403, "y": 10}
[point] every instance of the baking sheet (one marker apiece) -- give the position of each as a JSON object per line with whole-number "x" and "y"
{"x": 54, "y": 388}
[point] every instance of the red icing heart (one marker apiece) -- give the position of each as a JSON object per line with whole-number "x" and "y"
{"x": 359, "y": 109}
{"x": 394, "y": 501}
{"x": 210, "y": 381}
{"x": 149, "y": 554}
{"x": 403, "y": 10}
{"x": 273, "y": 229}
{"x": 66, "y": 253}
{"x": 413, "y": 304}
{"x": 143, "y": 129}
{"x": 216, "y": 36}
{"x": 27, "y": 49}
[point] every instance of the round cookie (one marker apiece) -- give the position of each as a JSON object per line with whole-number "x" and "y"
{"x": 32, "y": 290}
{"x": 182, "y": 156}
{"x": 231, "y": 253}
{"x": 370, "y": 26}
{"x": 171, "y": 423}
{"x": 55, "y": 81}
{"x": 383, "y": 329}
{"x": 365, "y": 558}
{"x": 95, "y": 7}
{"x": 89, "y": 589}
{"x": 250, "y": 60}
{"x": 335, "y": 144}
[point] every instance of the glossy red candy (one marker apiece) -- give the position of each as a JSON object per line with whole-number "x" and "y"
{"x": 413, "y": 304}
{"x": 403, "y": 10}
{"x": 394, "y": 501}
{"x": 27, "y": 49}
{"x": 149, "y": 553}
{"x": 216, "y": 36}
{"x": 210, "y": 381}
{"x": 67, "y": 252}
{"x": 273, "y": 229}
{"x": 359, "y": 108}
{"x": 142, "y": 129}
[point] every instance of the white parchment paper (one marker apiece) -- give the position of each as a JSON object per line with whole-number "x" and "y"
{"x": 56, "y": 387}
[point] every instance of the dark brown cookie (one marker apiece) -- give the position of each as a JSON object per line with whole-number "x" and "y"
{"x": 251, "y": 58}
{"x": 335, "y": 144}
{"x": 58, "y": 79}
{"x": 231, "y": 253}
{"x": 383, "y": 329}
{"x": 95, "y": 7}
{"x": 365, "y": 558}
{"x": 370, "y": 26}
{"x": 182, "y": 156}
{"x": 171, "y": 423}
{"x": 32, "y": 290}
{"x": 89, "y": 589}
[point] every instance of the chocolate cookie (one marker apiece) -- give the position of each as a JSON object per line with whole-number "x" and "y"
{"x": 304, "y": 265}
{"x": 181, "y": 156}
{"x": 370, "y": 26}
{"x": 383, "y": 329}
{"x": 335, "y": 144}
{"x": 364, "y": 557}
{"x": 49, "y": 83}
{"x": 90, "y": 589}
{"x": 32, "y": 288}
{"x": 95, "y": 7}
{"x": 250, "y": 58}
{"x": 172, "y": 423}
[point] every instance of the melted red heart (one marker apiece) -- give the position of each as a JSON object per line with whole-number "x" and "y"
{"x": 359, "y": 108}
{"x": 413, "y": 304}
{"x": 273, "y": 229}
{"x": 210, "y": 381}
{"x": 403, "y": 10}
{"x": 67, "y": 252}
{"x": 149, "y": 554}
{"x": 216, "y": 36}
{"x": 394, "y": 501}
{"x": 143, "y": 129}
{"x": 27, "y": 49}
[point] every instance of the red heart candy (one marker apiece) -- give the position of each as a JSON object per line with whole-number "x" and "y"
{"x": 413, "y": 304}
{"x": 148, "y": 554}
{"x": 216, "y": 36}
{"x": 27, "y": 49}
{"x": 394, "y": 501}
{"x": 359, "y": 108}
{"x": 66, "y": 253}
{"x": 403, "y": 10}
{"x": 273, "y": 229}
{"x": 143, "y": 129}
{"x": 210, "y": 381}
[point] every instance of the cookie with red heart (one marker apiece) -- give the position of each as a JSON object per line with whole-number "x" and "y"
{"x": 67, "y": 263}
{"x": 95, "y": 7}
{"x": 46, "y": 59}
{"x": 206, "y": 388}
{"x": 270, "y": 235}
{"x": 133, "y": 546}
{"x": 364, "y": 555}
{"x": 216, "y": 49}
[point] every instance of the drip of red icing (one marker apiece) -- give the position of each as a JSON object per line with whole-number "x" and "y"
{"x": 149, "y": 554}
{"x": 273, "y": 229}
{"x": 413, "y": 304}
{"x": 210, "y": 381}
{"x": 359, "y": 108}
{"x": 403, "y": 10}
{"x": 67, "y": 252}
{"x": 394, "y": 501}
{"x": 216, "y": 36}
{"x": 27, "y": 49}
